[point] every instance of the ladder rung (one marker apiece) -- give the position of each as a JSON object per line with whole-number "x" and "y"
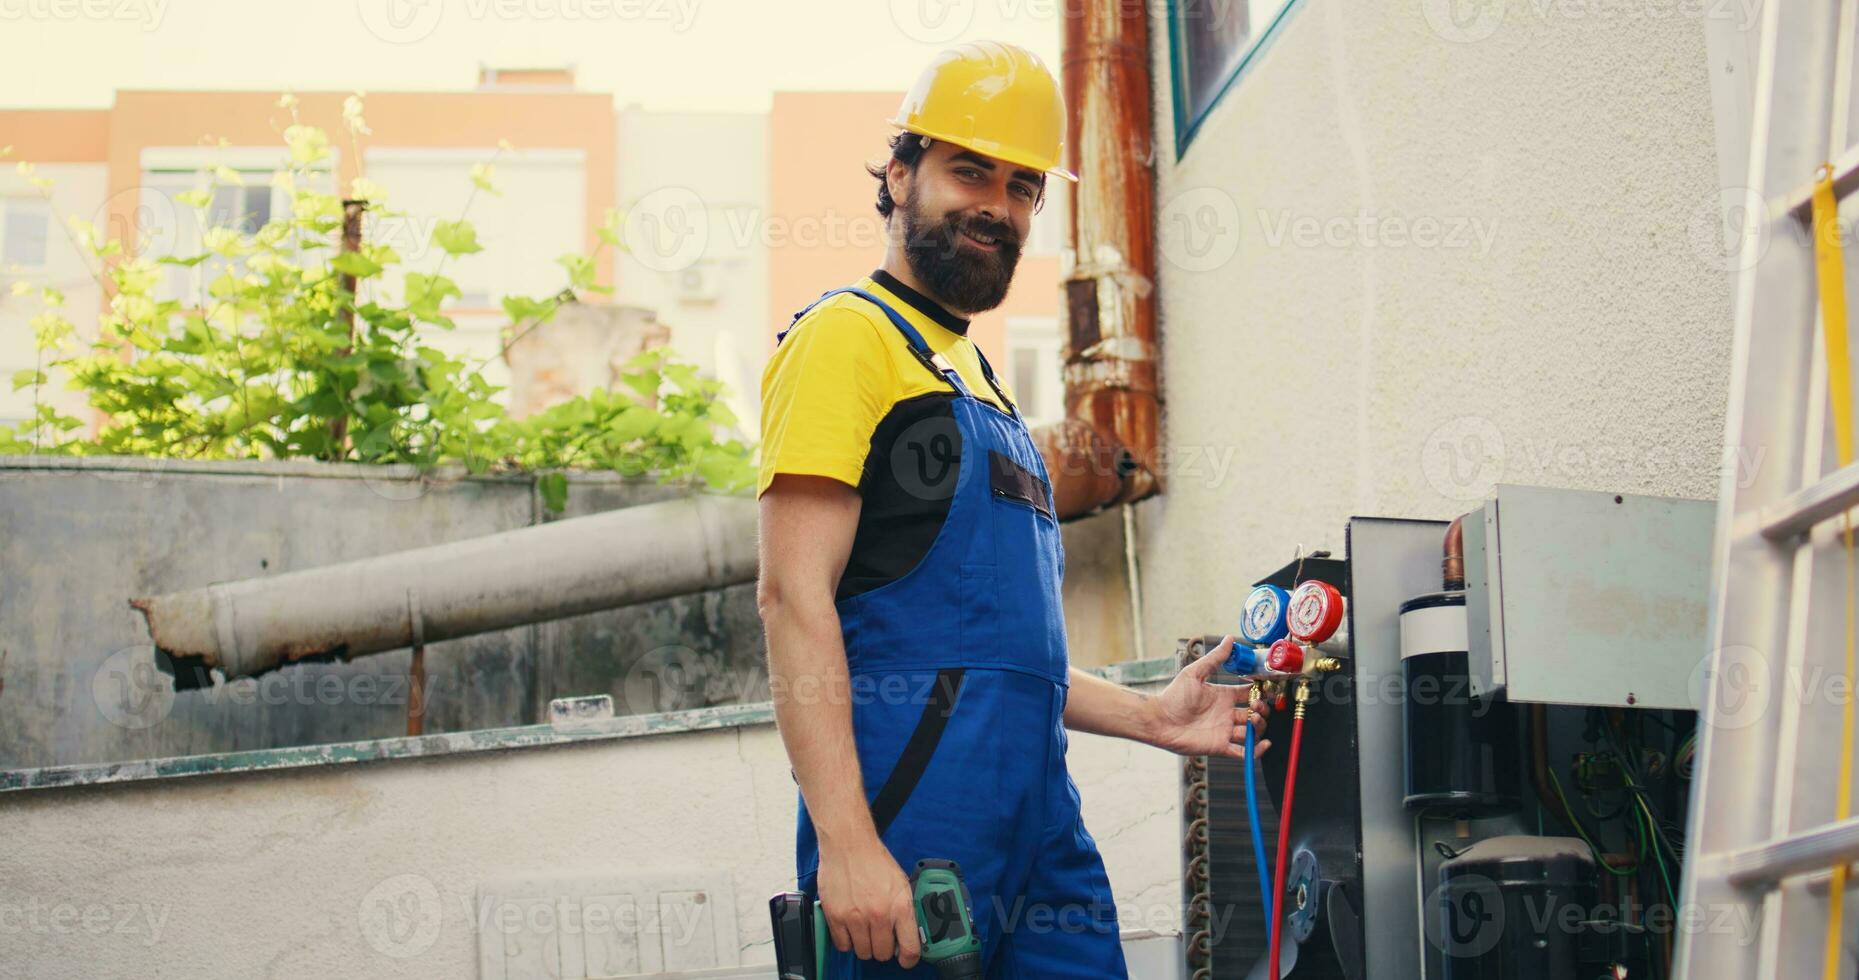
{"x": 1800, "y": 203}
{"x": 1798, "y": 512}
{"x": 1766, "y": 865}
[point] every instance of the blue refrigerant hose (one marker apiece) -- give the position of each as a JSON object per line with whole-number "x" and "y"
{"x": 1258, "y": 837}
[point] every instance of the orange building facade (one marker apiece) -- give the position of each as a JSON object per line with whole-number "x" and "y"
{"x": 809, "y": 203}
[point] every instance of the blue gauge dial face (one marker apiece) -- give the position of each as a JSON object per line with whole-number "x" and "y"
{"x": 1261, "y": 613}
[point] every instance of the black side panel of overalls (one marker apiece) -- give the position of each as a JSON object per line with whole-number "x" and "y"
{"x": 909, "y": 481}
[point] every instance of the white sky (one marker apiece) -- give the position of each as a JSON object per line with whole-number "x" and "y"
{"x": 679, "y": 55}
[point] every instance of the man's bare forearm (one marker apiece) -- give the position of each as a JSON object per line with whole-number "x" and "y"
{"x": 813, "y": 710}
{"x": 1102, "y": 707}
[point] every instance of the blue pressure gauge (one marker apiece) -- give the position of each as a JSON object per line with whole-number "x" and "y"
{"x": 1263, "y": 621}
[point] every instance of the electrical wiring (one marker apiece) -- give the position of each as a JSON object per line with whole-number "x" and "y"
{"x": 1584, "y": 781}
{"x": 1600, "y": 856}
{"x": 1635, "y": 786}
{"x": 1655, "y": 841}
{"x": 1645, "y": 822}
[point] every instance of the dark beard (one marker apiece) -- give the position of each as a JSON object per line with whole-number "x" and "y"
{"x": 962, "y": 277}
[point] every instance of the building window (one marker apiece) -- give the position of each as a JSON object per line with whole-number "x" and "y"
{"x": 246, "y": 209}
{"x": 1051, "y": 228}
{"x": 1213, "y": 41}
{"x": 169, "y": 228}
{"x": 1035, "y": 371}
{"x": 25, "y": 232}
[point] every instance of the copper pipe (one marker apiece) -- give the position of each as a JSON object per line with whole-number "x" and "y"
{"x": 1452, "y": 566}
{"x": 1110, "y": 350}
{"x": 1539, "y": 767}
{"x": 1088, "y": 470}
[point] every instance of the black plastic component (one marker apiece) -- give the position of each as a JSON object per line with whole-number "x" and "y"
{"x": 1461, "y": 749}
{"x": 792, "y": 917}
{"x": 1516, "y": 908}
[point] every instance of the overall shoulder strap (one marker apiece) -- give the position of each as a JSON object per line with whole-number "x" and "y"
{"x": 918, "y": 346}
{"x": 987, "y": 371}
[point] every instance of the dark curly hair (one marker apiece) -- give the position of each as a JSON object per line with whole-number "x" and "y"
{"x": 907, "y": 148}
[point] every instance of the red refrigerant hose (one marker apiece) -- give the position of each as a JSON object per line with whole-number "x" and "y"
{"x": 1284, "y": 826}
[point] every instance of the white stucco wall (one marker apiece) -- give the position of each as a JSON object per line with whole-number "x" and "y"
{"x": 1555, "y": 313}
{"x": 334, "y": 871}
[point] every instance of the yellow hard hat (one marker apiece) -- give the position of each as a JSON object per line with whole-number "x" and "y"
{"x": 993, "y": 98}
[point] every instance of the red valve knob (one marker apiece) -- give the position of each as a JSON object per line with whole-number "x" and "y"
{"x": 1316, "y": 609}
{"x": 1285, "y": 657}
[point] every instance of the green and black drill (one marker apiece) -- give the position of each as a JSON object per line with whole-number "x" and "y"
{"x": 945, "y": 925}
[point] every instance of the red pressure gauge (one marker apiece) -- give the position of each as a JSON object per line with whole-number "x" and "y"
{"x": 1285, "y": 657}
{"x": 1316, "y": 610}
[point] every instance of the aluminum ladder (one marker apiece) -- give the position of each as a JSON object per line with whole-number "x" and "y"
{"x": 1762, "y": 835}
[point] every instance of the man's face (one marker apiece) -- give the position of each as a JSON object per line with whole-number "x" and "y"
{"x": 965, "y": 216}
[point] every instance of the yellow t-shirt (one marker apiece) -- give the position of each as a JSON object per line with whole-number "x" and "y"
{"x": 840, "y": 371}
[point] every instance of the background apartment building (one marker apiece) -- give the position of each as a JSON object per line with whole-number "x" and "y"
{"x": 732, "y": 220}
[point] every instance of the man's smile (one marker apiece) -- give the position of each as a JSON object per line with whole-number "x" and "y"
{"x": 982, "y": 241}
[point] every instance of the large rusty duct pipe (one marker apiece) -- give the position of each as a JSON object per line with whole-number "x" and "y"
{"x": 1110, "y": 351}
{"x": 530, "y": 575}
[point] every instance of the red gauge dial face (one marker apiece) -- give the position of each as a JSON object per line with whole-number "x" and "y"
{"x": 1316, "y": 609}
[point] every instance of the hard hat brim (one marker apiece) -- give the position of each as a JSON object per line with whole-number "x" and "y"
{"x": 987, "y": 149}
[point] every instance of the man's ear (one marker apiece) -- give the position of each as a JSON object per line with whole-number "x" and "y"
{"x": 897, "y": 177}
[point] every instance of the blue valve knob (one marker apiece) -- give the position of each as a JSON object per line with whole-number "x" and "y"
{"x": 1244, "y": 660}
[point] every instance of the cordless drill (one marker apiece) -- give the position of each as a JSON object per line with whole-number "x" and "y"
{"x": 945, "y": 925}
{"x": 945, "y": 921}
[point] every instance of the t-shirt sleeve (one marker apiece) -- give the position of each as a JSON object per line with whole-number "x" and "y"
{"x": 823, "y": 394}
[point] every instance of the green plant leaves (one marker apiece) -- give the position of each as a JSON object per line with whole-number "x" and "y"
{"x": 426, "y": 294}
{"x": 523, "y": 308}
{"x": 456, "y": 237}
{"x": 265, "y": 354}
{"x": 355, "y": 264}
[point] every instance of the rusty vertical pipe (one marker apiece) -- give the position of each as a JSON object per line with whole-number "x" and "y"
{"x": 416, "y": 700}
{"x": 351, "y": 242}
{"x": 1110, "y": 351}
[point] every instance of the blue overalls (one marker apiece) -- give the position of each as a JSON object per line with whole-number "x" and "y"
{"x": 958, "y": 695}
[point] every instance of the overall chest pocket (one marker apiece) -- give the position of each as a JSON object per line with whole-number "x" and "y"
{"x": 1011, "y": 482}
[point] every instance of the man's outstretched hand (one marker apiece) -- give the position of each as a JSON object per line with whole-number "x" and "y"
{"x": 1194, "y": 716}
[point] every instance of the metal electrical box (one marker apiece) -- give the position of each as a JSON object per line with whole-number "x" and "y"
{"x": 1579, "y": 597}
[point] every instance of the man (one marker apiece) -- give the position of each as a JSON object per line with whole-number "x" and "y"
{"x": 911, "y": 561}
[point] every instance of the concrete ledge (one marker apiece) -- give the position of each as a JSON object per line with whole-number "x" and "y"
{"x": 1134, "y": 672}
{"x": 150, "y": 468}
